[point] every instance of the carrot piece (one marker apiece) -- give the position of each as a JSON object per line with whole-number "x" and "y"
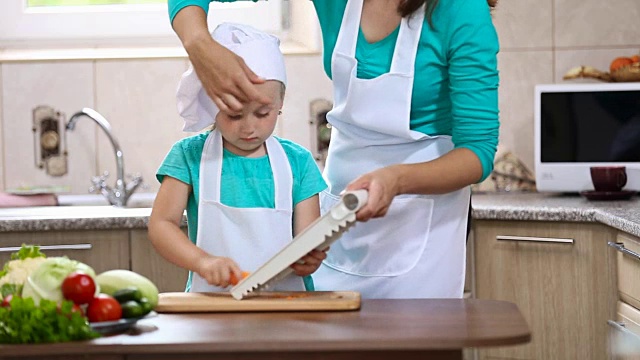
{"x": 234, "y": 281}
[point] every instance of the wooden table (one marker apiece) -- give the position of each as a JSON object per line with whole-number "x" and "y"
{"x": 382, "y": 329}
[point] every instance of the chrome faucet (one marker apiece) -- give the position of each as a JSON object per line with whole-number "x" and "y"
{"x": 119, "y": 194}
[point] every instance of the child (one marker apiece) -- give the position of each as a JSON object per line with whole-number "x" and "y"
{"x": 247, "y": 191}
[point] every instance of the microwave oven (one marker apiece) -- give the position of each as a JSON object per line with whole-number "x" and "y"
{"x": 580, "y": 125}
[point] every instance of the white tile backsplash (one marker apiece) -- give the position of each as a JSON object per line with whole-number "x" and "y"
{"x": 524, "y": 23}
{"x": 67, "y": 87}
{"x": 307, "y": 81}
{"x": 138, "y": 98}
{"x": 520, "y": 71}
{"x": 580, "y": 23}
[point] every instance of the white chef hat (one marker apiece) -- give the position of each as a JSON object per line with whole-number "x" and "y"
{"x": 259, "y": 50}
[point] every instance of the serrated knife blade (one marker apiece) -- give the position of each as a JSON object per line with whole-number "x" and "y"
{"x": 319, "y": 235}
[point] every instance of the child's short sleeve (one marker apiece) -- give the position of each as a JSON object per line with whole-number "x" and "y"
{"x": 176, "y": 165}
{"x": 307, "y": 179}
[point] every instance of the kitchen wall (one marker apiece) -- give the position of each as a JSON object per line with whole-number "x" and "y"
{"x": 540, "y": 41}
{"x": 137, "y": 97}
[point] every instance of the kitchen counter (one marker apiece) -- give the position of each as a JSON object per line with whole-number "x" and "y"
{"x": 381, "y": 329}
{"x": 622, "y": 215}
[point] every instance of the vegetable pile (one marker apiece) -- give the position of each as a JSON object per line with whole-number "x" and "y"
{"x": 57, "y": 299}
{"x": 22, "y": 322}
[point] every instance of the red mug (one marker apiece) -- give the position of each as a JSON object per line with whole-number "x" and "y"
{"x": 608, "y": 178}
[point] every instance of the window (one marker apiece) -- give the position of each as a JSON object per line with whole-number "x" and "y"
{"x": 59, "y": 23}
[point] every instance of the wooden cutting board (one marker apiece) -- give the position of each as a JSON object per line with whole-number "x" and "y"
{"x": 180, "y": 302}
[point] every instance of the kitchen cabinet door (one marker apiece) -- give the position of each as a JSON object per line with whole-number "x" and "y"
{"x": 147, "y": 262}
{"x": 561, "y": 276}
{"x": 102, "y": 250}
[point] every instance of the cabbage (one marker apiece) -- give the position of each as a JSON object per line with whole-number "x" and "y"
{"x": 45, "y": 281}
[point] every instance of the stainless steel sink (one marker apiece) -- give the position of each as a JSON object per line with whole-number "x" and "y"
{"x": 137, "y": 200}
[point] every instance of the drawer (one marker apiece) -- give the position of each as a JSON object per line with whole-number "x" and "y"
{"x": 630, "y": 316}
{"x": 625, "y": 333}
{"x": 628, "y": 268}
{"x": 101, "y": 249}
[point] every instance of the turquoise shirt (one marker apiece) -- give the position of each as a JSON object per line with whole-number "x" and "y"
{"x": 455, "y": 89}
{"x": 246, "y": 182}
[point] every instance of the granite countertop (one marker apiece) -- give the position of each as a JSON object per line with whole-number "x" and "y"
{"x": 622, "y": 215}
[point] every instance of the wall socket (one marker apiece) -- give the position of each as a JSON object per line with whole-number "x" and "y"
{"x": 49, "y": 137}
{"x": 320, "y": 129}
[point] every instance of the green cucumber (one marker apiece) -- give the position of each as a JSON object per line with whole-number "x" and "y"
{"x": 131, "y": 309}
{"x": 127, "y": 294}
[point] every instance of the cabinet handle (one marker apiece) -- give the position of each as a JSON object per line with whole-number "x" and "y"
{"x": 534, "y": 239}
{"x": 620, "y": 247}
{"x": 620, "y": 326}
{"x": 52, "y": 247}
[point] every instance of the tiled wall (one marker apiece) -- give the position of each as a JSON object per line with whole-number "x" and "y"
{"x": 540, "y": 41}
{"x": 137, "y": 97}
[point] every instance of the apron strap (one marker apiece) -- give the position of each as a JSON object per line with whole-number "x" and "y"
{"x": 282, "y": 175}
{"x": 211, "y": 167}
{"x": 406, "y": 50}
{"x": 348, "y": 34}
{"x": 211, "y": 170}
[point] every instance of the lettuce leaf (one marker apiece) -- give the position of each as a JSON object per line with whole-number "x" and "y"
{"x": 27, "y": 251}
{"x": 45, "y": 281}
{"x": 10, "y": 289}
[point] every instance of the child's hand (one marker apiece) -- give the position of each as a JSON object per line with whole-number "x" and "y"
{"x": 217, "y": 270}
{"x": 311, "y": 263}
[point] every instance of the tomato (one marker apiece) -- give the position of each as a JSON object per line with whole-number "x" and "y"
{"x": 79, "y": 288}
{"x": 104, "y": 308}
{"x": 6, "y": 302}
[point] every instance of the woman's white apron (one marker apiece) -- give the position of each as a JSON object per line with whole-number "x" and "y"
{"x": 418, "y": 249}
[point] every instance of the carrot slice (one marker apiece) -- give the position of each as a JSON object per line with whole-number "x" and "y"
{"x": 234, "y": 281}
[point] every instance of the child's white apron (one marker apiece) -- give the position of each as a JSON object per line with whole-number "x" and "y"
{"x": 249, "y": 236}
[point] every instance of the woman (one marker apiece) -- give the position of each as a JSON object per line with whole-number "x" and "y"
{"x": 415, "y": 122}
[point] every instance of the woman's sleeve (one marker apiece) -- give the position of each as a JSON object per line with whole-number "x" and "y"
{"x": 176, "y": 5}
{"x": 473, "y": 80}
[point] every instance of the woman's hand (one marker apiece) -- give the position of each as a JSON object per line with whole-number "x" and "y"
{"x": 224, "y": 75}
{"x": 312, "y": 262}
{"x": 382, "y": 185}
{"x": 216, "y": 270}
